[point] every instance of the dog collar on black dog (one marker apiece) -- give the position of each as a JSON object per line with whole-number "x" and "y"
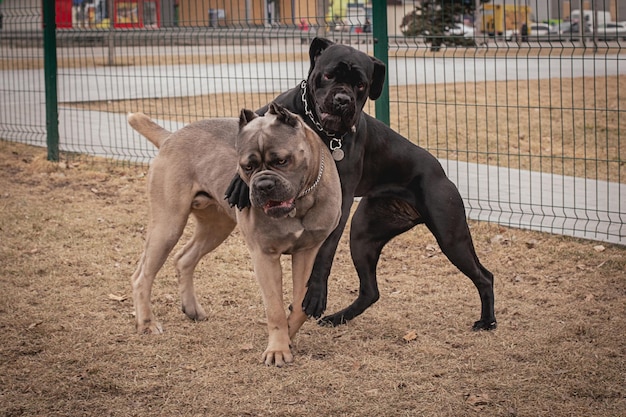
{"x": 335, "y": 142}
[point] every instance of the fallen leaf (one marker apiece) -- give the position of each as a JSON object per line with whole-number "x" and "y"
{"x": 599, "y": 248}
{"x": 499, "y": 239}
{"x": 35, "y": 324}
{"x": 296, "y": 401}
{"x": 478, "y": 401}
{"x": 531, "y": 243}
{"x": 116, "y": 297}
{"x": 246, "y": 347}
{"x": 357, "y": 366}
{"x": 431, "y": 248}
{"x": 410, "y": 336}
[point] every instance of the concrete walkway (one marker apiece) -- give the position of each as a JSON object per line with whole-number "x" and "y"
{"x": 572, "y": 206}
{"x": 553, "y": 203}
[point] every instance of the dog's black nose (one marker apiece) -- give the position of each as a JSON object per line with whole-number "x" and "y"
{"x": 265, "y": 185}
{"x": 341, "y": 101}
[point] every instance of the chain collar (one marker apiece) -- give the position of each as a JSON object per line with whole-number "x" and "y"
{"x": 335, "y": 143}
{"x": 317, "y": 180}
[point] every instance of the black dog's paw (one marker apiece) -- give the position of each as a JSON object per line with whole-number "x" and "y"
{"x": 484, "y": 325}
{"x": 314, "y": 302}
{"x": 332, "y": 320}
{"x": 238, "y": 193}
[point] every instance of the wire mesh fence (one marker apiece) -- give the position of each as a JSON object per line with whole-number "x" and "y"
{"x": 524, "y": 108}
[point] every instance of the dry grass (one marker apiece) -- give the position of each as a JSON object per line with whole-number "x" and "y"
{"x": 71, "y": 237}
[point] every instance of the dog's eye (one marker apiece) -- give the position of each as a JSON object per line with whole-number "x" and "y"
{"x": 248, "y": 168}
{"x": 360, "y": 86}
{"x": 328, "y": 76}
{"x": 280, "y": 162}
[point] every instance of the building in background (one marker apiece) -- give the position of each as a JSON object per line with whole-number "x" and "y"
{"x": 556, "y": 10}
{"x": 20, "y": 15}
{"x": 240, "y": 13}
{"x": 83, "y": 14}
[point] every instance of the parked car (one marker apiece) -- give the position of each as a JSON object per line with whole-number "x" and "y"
{"x": 571, "y": 31}
{"x": 511, "y": 34}
{"x": 460, "y": 29}
{"x": 536, "y": 31}
{"x": 539, "y": 30}
{"x": 611, "y": 31}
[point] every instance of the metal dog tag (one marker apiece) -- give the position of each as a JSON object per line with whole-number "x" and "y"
{"x": 338, "y": 154}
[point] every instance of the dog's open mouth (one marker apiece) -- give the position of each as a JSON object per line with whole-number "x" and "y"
{"x": 279, "y": 209}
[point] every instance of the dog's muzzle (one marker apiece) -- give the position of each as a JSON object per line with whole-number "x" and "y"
{"x": 272, "y": 196}
{"x": 334, "y": 113}
{"x": 337, "y": 112}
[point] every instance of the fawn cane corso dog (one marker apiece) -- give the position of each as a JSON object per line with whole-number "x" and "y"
{"x": 401, "y": 184}
{"x": 295, "y": 203}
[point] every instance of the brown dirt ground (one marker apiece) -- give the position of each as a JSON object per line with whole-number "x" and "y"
{"x": 73, "y": 232}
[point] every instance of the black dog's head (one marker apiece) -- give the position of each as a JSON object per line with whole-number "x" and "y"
{"x": 340, "y": 81}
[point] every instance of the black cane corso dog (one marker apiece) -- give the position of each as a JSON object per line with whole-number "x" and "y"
{"x": 401, "y": 184}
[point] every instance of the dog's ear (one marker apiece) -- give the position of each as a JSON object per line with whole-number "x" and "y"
{"x": 317, "y": 47}
{"x": 283, "y": 115}
{"x": 246, "y": 116}
{"x": 378, "y": 78}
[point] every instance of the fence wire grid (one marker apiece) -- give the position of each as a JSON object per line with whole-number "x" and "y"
{"x": 525, "y": 113}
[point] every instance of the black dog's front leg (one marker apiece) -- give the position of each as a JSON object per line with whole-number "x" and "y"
{"x": 314, "y": 302}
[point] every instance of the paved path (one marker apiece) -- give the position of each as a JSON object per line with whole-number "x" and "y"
{"x": 572, "y": 206}
{"x": 559, "y": 204}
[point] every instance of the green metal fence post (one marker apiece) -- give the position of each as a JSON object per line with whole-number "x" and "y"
{"x": 50, "y": 77}
{"x": 381, "y": 51}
